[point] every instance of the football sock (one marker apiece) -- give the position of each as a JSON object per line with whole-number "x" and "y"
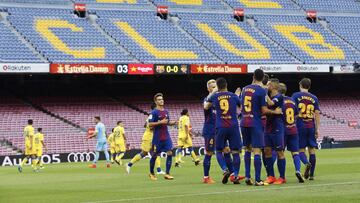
{"x": 107, "y": 156}
{"x": 97, "y": 155}
{"x": 247, "y": 160}
{"x": 229, "y": 162}
{"x": 281, "y": 163}
{"x": 236, "y": 163}
{"x": 168, "y": 164}
{"x": 221, "y": 160}
{"x": 269, "y": 166}
{"x": 158, "y": 164}
{"x": 23, "y": 161}
{"x": 303, "y": 158}
{"x": 297, "y": 163}
{"x": 152, "y": 163}
{"x": 206, "y": 164}
{"x": 313, "y": 164}
{"x": 257, "y": 166}
{"x": 135, "y": 159}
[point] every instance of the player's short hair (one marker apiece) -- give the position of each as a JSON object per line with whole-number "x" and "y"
{"x": 158, "y": 95}
{"x": 39, "y": 129}
{"x": 30, "y": 121}
{"x": 283, "y": 88}
{"x": 153, "y": 106}
{"x": 97, "y": 118}
{"x": 305, "y": 83}
{"x": 221, "y": 83}
{"x": 184, "y": 112}
{"x": 210, "y": 82}
{"x": 265, "y": 79}
{"x": 275, "y": 82}
{"x": 112, "y": 130}
{"x": 119, "y": 122}
{"x": 259, "y": 75}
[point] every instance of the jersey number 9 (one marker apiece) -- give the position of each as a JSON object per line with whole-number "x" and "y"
{"x": 224, "y": 106}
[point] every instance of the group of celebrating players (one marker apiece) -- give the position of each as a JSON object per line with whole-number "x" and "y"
{"x": 270, "y": 122}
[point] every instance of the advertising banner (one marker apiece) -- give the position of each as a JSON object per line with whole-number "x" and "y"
{"x": 24, "y": 68}
{"x": 290, "y": 68}
{"x": 82, "y": 68}
{"x": 218, "y": 69}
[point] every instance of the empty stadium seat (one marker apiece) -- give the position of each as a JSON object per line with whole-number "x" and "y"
{"x": 310, "y": 42}
{"x": 233, "y": 41}
{"x": 62, "y": 37}
{"x": 151, "y": 39}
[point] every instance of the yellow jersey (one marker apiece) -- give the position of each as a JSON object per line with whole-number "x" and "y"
{"x": 37, "y": 141}
{"x": 110, "y": 139}
{"x": 149, "y": 133}
{"x": 183, "y": 122}
{"x": 119, "y": 133}
{"x": 28, "y": 135}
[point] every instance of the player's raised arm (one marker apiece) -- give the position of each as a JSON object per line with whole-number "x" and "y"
{"x": 208, "y": 102}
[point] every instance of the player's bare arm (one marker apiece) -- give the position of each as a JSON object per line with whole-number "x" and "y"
{"x": 317, "y": 123}
{"x": 161, "y": 122}
{"x": 267, "y": 111}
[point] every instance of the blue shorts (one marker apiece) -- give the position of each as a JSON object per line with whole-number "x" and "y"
{"x": 275, "y": 140}
{"x": 101, "y": 146}
{"x": 307, "y": 138}
{"x": 163, "y": 146}
{"x": 253, "y": 137}
{"x": 292, "y": 142}
{"x": 228, "y": 134}
{"x": 210, "y": 144}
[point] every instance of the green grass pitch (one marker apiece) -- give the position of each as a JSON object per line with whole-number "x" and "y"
{"x": 337, "y": 180}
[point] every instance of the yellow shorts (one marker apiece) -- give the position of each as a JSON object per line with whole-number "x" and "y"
{"x": 185, "y": 143}
{"x": 120, "y": 148}
{"x": 39, "y": 152}
{"x": 112, "y": 149}
{"x": 29, "y": 151}
{"x": 146, "y": 145}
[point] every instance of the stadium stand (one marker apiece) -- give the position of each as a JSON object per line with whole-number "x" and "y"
{"x": 347, "y": 28}
{"x": 232, "y": 41}
{"x": 64, "y": 38}
{"x": 331, "y": 6}
{"x": 13, "y": 46}
{"x": 153, "y": 40}
{"x": 62, "y": 137}
{"x": 136, "y": 4}
{"x": 124, "y": 35}
{"x": 274, "y": 4}
{"x": 192, "y": 4}
{"x": 311, "y": 42}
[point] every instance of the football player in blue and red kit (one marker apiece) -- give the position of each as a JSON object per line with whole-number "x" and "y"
{"x": 274, "y": 135}
{"x": 308, "y": 125}
{"x": 253, "y": 106}
{"x": 227, "y": 128}
{"x": 159, "y": 120}
{"x": 291, "y": 138}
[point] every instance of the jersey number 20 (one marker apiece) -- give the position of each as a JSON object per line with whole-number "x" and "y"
{"x": 306, "y": 111}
